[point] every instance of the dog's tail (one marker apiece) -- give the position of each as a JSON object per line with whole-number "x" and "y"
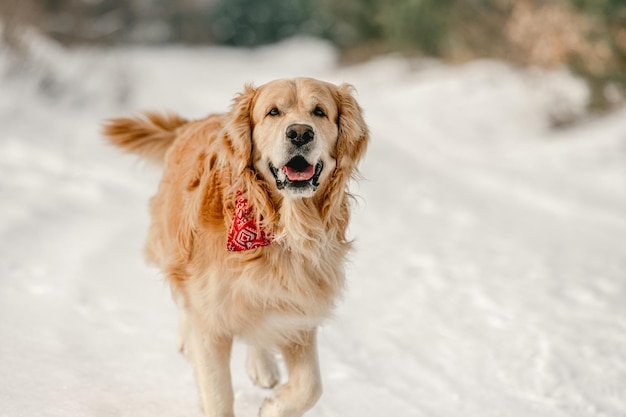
{"x": 149, "y": 135}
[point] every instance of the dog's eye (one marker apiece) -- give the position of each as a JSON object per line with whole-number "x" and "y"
{"x": 274, "y": 112}
{"x": 319, "y": 112}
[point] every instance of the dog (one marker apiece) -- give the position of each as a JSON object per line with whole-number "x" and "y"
{"x": 249, "y": 226}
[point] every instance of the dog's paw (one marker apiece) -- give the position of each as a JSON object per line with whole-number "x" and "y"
{"x": 262, "y": 368}
{"x": 271, "y": 408}
{"x": 290, "y": 402}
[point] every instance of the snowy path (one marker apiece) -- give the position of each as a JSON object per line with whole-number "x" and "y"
{"x": 489, "y": 277}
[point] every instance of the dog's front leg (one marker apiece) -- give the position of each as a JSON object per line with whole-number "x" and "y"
{"x": 210, "y": 355}
{"x": 304, "y": 386}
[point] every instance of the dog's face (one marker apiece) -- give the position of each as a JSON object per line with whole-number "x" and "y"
{"x": 295, "y": 133}
{"x": 298, "y": 134}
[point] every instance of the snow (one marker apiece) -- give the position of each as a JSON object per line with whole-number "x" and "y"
{"x": 489, "y": 274}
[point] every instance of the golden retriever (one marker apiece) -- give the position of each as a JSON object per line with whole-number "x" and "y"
{"x": 249, "y": 225}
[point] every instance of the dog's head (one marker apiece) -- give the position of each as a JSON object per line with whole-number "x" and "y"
{"x": 296, "y": 134}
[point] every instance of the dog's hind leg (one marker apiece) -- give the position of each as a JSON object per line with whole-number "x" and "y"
{"x": 262, "y": 368}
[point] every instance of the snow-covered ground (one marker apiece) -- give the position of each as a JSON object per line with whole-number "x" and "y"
{"x": 489, "y": 277}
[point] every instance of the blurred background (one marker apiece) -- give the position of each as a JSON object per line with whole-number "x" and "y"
{"x": 489, "y": 272}
{"x": 587, "y": 36}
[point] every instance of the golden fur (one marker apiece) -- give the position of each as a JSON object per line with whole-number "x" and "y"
{"x": 274, "y": 296}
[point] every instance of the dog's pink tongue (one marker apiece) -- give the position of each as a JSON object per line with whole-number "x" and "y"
{"x": 295, "y": 175}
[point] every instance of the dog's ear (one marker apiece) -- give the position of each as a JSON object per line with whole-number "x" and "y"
{"x": 351, "y": 145}
{"x": 353, "y": 132}
{"x": 245, "y": 181}
{"x": 239, "y": 129}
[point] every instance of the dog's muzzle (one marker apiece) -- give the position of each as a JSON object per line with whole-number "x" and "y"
{"x": 297, "y": 174}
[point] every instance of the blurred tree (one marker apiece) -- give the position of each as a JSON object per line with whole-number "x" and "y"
{"x": 250, "y": 22}
{"x": 352, "y": 21}
{"x": 411, "y": 25}
{"x": 589, "y": 36}
{"x": 14, "y": 14}
{"x": 610, "y": 17}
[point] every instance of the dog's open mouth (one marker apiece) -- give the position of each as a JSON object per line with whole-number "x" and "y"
{"x": 298, "y": 173}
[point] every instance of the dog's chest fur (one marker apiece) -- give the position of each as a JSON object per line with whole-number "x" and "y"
{"x": 267, "y": 294}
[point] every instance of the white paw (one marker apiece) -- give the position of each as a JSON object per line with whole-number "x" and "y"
{"x": 270, "y": 408}
{"x": 274, "y": 408}
{"x": 289, "y": 403}
{"x": 262, "y": 368}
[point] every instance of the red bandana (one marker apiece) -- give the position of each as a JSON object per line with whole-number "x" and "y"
{"x": 244, "y": 234}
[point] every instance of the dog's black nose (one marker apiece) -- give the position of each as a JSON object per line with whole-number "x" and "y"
{"x": 300, "y": 134}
